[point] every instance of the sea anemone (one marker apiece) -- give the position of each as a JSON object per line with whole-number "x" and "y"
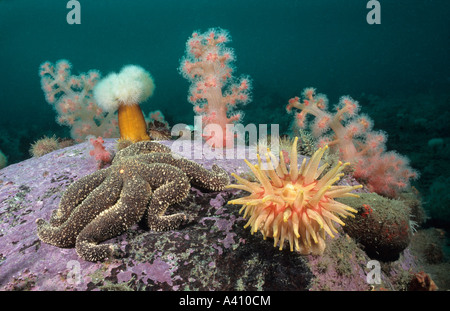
{"x": 124, "y": 91}
{"x": 294, "y": 204}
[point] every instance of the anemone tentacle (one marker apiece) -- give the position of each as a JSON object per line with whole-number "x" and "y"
{"x": 292, "y": 203}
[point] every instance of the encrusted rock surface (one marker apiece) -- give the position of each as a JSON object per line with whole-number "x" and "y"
{"x": 382, "y": 225}
{"x": 210, "y": 251}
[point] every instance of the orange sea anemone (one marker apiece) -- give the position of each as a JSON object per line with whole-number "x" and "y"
{"x": 124, "y": 91}
{"x": 294, "y": 204}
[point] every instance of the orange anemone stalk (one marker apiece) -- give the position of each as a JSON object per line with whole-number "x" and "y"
{"x": 132, "y": 124}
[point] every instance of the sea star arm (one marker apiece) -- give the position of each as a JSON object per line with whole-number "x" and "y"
{"x": 100, "y": 199}
{"x": 214, "y": 180}
{"x": 172, "y": 186}
{"x": 105, "y": 203}
{"x": 114, "y": 221}
{"x": 152, "y": 152}
{"x": 142, "y": 147}
{"x": 75, "y": 194}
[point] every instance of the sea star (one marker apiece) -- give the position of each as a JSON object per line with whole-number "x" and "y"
{"x": 143, "y": 180}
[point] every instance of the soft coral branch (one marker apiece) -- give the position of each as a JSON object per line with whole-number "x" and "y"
{"x": 72, "y": 98}
{"x": 351, "y": 135}
{"x": 99, "y": 152}
{"x": 213, "y": 92}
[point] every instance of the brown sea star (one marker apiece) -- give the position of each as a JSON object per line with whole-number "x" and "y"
{"x": 144, "y": 179}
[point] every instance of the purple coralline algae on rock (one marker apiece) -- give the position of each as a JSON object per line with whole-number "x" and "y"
{"x": 210, "y": 251}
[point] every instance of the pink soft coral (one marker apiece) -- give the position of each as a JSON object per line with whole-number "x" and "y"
{"x": 99, "y": 152}
{"x": 353, "y": 138}
{"x": 213, "y": 92}
{"x": 72, "y": 98}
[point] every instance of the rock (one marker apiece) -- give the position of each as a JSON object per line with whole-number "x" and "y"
{"x": 382, "y": 225}
{"x": 210, "y": 251}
